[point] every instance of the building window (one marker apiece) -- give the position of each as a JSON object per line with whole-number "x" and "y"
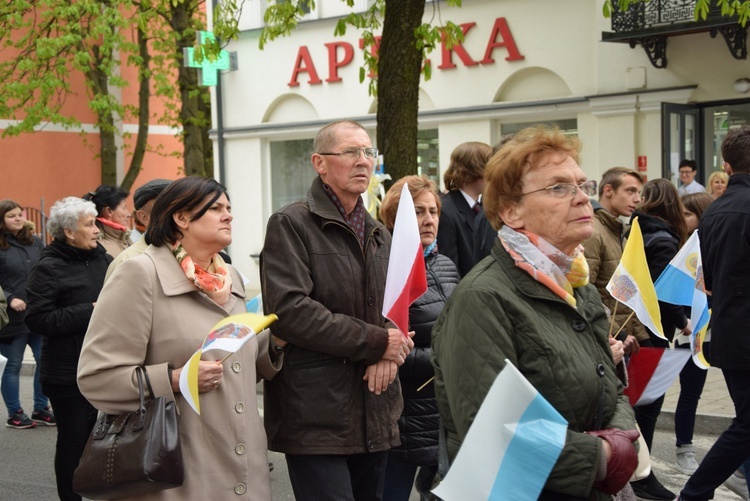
{"x": 292, "y": 172}
{"x": 427, "y": 154}
{"x": 568, "y": 127}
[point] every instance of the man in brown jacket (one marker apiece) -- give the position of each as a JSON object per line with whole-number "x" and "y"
{"x": 619, "y": 194}
{"x": 333, "y": 408}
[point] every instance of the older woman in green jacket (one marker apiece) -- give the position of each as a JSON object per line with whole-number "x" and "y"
{"x": 530, "y": 302}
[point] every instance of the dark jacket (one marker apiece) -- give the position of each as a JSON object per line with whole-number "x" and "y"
{"x": 3, "y": 309}
{"x": 484, "y": 237}
{"x": 62, "y": 290}
{"x": 725, "y": 246}
{"x": 661, "y": 244}
{"x": 328, "y": 294}
{"x": 456, "y": 231}
{"x": 419, "y": 424}
{"x": 16, "y": 263}
{"x": 499, "y": 311}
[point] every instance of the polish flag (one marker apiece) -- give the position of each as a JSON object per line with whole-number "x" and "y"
{"x": 651, "y": 372}
{"x": 407, "y": 278}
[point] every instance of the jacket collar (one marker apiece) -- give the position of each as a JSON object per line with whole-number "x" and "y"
{"x": 173, "y": 280}
{"x": 70, "y": 253}
{"x": 610, "y": 221}
{"x": 739, "y": 180}
{"x": 322, "y": 206}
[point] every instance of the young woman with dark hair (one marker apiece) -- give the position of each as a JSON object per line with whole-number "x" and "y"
{"x": 19, "y": 253}
{"x": 660, "y": 216}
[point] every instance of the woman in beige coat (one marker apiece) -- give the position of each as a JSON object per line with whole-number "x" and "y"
{"x": 155, "y": 311}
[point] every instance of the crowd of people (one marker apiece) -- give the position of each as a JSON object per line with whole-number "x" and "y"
{"x": 517, "y": 259}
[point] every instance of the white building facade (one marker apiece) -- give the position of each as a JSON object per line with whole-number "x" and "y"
{"x": 522, "y": 62}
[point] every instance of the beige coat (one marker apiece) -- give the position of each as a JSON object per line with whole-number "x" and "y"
{"x": 114, "y": 241}
{"x": 149, "y": 313}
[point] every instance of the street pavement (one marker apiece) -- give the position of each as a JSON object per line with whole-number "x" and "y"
{"x": 27, "y": 471}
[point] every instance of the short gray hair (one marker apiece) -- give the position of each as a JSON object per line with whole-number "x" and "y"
{"x": 65, "y": 213}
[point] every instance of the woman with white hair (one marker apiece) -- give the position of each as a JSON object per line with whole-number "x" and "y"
{"x": 62, "y": 292}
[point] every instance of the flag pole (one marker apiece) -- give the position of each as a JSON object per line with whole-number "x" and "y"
{"x": 426, "y": 383}
{"x": 624, "y": 323}
{"x": 612, "y": 319}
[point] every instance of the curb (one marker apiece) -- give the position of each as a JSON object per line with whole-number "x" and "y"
{"x": 705, "y": 424}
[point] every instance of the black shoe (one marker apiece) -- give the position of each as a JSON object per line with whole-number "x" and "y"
{"x": 651, "y": 488}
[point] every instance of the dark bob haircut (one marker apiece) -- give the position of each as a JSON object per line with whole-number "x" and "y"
{"x": 186, "y": 194}
{"x": 106, "y": 197}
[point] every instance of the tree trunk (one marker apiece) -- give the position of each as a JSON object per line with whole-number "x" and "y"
{"x": 190, "y": 113}
{"x": 399, "y": 68}
{"x": 98, "y": 81}
{"x": 144, "y": 76}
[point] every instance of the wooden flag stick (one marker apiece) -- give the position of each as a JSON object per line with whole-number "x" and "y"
{"x": 624, "y": 323}
{"x": 612, "y": 319}
{"x": 426, "y": 383}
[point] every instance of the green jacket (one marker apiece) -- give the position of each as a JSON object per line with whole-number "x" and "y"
{"x": 498, "y": 311}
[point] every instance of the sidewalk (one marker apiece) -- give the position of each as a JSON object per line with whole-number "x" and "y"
{"x": 715, "y": 408}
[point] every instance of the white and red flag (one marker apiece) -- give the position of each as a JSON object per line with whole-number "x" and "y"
{"x": 407, "y": 278}
{"x": 651, "y": 372}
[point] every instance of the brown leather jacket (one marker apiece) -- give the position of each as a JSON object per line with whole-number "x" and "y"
{"x": 328, "y": 294}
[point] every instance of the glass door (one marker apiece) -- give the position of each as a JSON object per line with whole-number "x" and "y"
{"x": 681, "y": 133}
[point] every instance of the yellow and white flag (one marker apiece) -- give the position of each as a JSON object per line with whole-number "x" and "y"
{"x": 228, "y": 335}
{"x": 631, "y": 284}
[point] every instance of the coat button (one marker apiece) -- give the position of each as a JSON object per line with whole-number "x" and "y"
{"x": 370, "y": 444}
{"x": 239, "y": 489}
{"x": 739, "y": 291}
{"x": 239, "y": 407}
{"x": 240, "y": 449}
{"x": 578, "y": 325}
{"x": 236, "y": 367}
{"x": 370, "y": 301}
{"x": 600, "y": 370}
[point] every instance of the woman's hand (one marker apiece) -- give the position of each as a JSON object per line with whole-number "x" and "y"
{"x": 209, "y": 376}
{"x": 617, "y": 350}
{"x": 17, "y": 304}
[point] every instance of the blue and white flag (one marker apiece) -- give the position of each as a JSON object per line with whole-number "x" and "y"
{"x": 511, "y": 446}
{"x": 681, "y": 283}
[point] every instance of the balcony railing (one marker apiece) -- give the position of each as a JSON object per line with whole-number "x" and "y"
{"x": 650, "y": 23}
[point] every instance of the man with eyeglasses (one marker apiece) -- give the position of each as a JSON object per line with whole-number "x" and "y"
{"x": 688, "y": 170}
{"x": 333, "y": 408}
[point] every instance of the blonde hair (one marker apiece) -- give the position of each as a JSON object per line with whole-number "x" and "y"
{"x": 720, "y": 174}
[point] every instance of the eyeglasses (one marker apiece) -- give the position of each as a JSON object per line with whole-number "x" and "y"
{"x": 354, "y": 153}
{"x": 562, "y": 190}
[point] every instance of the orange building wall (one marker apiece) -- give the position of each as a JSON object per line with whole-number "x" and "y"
{"x": 54, "y": 165}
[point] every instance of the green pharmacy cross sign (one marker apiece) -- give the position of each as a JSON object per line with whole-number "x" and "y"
{"x": 208, "y": 71}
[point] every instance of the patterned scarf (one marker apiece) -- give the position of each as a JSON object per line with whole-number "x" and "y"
{"x": 215, "y": 282}
{"x": 546, "y": 264}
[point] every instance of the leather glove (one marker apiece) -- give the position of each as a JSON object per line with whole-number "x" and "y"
{"x": 623, "y": 461}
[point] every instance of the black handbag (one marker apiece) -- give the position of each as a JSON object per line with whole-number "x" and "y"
{"x": 132, "y": 454}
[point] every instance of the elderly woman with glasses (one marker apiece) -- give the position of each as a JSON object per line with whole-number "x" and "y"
{"x": 530, "y": 303}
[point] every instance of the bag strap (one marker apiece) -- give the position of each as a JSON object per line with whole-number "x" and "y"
{"x": 148, "y": 381}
